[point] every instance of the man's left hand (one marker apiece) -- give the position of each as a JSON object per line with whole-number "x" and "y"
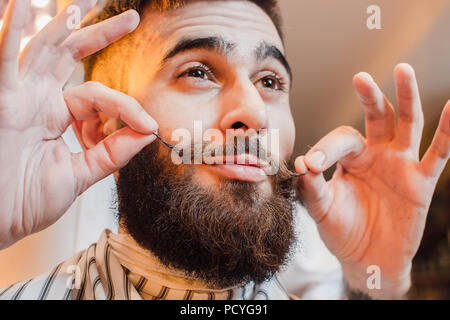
{"x": 373, "y": 210}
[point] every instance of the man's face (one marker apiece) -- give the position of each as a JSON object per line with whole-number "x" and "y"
{"x": 220, "y": 63}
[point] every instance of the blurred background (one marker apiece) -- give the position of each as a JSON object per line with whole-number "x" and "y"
{"x": 327, "y": 43}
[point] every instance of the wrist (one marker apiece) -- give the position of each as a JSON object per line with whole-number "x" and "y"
{"x": 363, "y": 281}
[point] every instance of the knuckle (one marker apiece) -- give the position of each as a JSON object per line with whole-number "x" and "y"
{"x": 112, "y": 162}
{"x": 411, "y": 116}
{"x": 142, "y": 112}
{"x": 107, "y": 38}
{"x": 93, "y": 85}
{"x": 441, "y": 150}
{"x": 74, "y": 51}
{"x": 128, "y": 100}
{"x": 348, "y": 130}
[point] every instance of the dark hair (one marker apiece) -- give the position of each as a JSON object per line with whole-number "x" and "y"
{"x": 115, "y": 7}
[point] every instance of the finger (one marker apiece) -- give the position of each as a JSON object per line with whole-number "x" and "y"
{"x": 90, "y": 98}
{"x": 314, "y": 191}
{"x": 437, "y": 155}
{"x": 108, "y": 156}
{"x": 39, "y": 50}
{"x": 10, "y": 41}
{"x": 379, "y": 113}
{"x": 63, "y": 24}
{"x": 92, "y": 39}
{"x": 342, "y": 145}
{"x": 410, "y": 115}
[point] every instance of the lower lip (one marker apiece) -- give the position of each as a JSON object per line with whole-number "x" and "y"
{"x": 240, "y": 172}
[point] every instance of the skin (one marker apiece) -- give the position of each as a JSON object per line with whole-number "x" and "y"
{"x": 234, "y": 93}
{"x": 372, "y": 212}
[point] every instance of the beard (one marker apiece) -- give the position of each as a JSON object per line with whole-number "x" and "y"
{"x": 222, "y": 236}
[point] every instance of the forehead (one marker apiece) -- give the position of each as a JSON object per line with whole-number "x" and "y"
{"x": 240, "y": 22}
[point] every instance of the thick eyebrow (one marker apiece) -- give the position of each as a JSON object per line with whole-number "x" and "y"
{"x": 225, "y": 48}
{"x": 266, "y": 50}
{"x": 217, "y": 44}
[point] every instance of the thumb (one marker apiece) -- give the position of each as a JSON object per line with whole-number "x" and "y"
{"x": 108, "y": 156}
{"x": 314, "y": 191}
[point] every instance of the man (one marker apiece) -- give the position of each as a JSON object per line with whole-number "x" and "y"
{"x": 207, "y": 230}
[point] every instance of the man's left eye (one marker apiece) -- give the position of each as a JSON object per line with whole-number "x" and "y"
{"x": 197, "y": 73}
{"x": 271, "y": 82}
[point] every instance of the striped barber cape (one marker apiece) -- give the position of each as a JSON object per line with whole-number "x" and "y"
{"x": 97, "y": 274}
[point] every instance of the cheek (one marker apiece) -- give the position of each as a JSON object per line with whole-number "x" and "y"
{"x": 284, "y": 123}
{"x": 175, "y": 111}
{"x": 289, "y": 137}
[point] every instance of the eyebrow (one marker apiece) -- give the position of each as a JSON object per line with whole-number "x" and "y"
{"x": 217, "y": 44}
{"x": 266, "y": 50}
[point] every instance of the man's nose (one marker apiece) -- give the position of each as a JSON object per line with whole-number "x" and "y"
{"x": 244, "y": 108}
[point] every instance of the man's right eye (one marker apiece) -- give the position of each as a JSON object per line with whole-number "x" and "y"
{"x": 201, "y": 72}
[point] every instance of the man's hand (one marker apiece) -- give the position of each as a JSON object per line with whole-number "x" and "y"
{"x": 373, "y": 210}
{"x": 40, "y": 178}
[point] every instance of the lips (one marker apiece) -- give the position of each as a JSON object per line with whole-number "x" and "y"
{"x": 244, "y": 167}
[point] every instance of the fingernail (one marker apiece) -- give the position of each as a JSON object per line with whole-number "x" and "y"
{"x": 367, "y": 77}
{"x": 151, "y": 123}
{"x": 136, "y": 19}
{"x": 316, "y": 159}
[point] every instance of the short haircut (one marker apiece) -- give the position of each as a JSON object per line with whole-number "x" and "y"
{"x": 115, "y": 7}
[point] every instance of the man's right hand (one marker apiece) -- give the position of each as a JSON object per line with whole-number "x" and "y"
{"x": 40, "y": 178}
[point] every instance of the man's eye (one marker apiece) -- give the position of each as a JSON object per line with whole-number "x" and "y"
{"x": 272, "y": 83}
{"x": 197, "y": 73}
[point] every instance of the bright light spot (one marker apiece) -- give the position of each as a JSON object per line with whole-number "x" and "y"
{"x": 42, "y": 21}
{"x": 40, "y": 3}
{"x": 24, "y": 42}
{"x": 1, "y": 23}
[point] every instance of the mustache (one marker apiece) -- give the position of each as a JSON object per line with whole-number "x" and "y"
{"x": 251, "y": 145}
{"x": 239, "y": 145}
